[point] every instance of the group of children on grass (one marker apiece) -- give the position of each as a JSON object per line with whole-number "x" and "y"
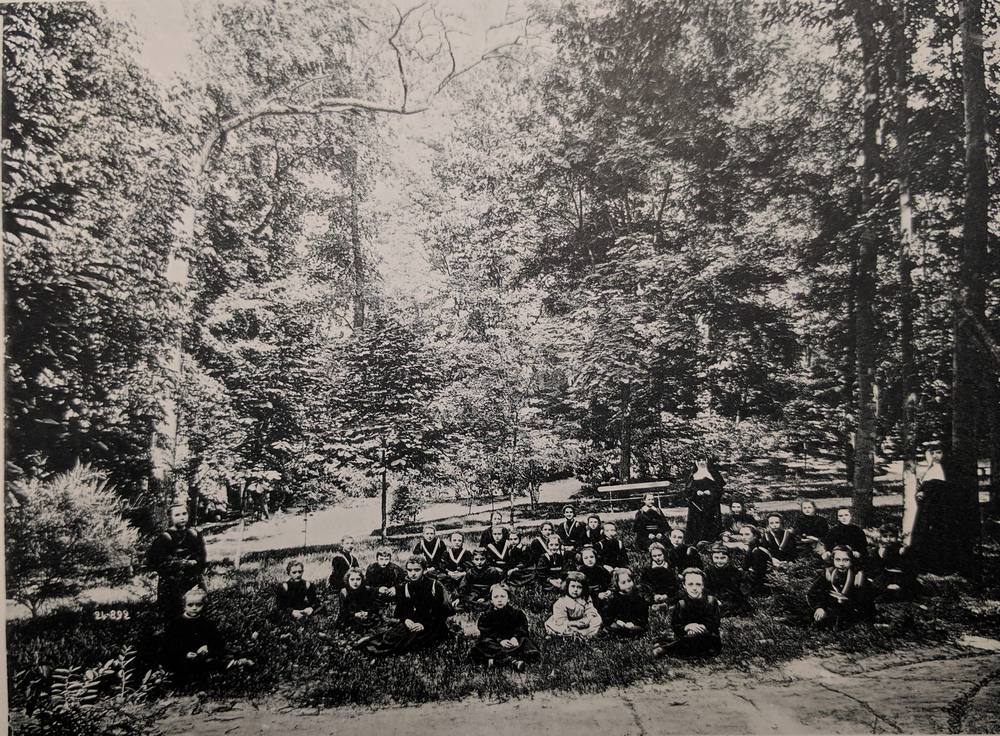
{"x": 388, "y": 609}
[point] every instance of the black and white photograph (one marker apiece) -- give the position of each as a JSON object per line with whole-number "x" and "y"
{"x": 501, "y": 367}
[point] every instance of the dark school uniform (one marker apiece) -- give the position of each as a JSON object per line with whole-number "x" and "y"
{"x": 781, "y": 544}
{"x": 845, "y": 596}
{"x": 611, "y": 552}
{"x": 389, "y": 577}
{"x": 572, "y": 533}
{"x": 704, "y": 611}
{"x": 850, "y": 535}
{"x": 815, "y": 527}
{"x": 496, "y": 553}
{"x": 537, "y": 548}
{"x": 550, "y": 566}
{"x": 631, "y": 608}
{"x": 726, "y": 585}
{"x": 487, "y": 536}
{"x": 424, "y": 602}
{"x": 358, "y": 600}
{"x": 660, "y": 580}
{"x": 733, "y": 523}
{"x": 496, "y": 625}
{"x": 183, "y": 635}
{"x": 650, "y": 526}
{"x": 521, "y": 567}
{"x": 756, "y": 563}
{"x": 704, "y": 515}
{"x": 598, "y": 581}
{"x": 179, "y": 559}
{"x": 683, "y": 556}
{"x": 342, "y": 561}
{"x": 593, "y": 537}
{"x": 475, "y": 588}
{"x": 894, "y": 574}
{"x": 431, "y": 552}
{"x": 453, "y": 567}
{"x": 295, "y": 595}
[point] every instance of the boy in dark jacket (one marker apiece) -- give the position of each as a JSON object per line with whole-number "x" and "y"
{"x": 694, "y": 621}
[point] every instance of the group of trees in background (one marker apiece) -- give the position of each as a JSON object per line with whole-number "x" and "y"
{"x": 653, "y": 229}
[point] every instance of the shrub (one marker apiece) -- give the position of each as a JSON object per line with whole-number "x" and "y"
{"x": 61, "y": 532}
{"x": 109, "y": 699}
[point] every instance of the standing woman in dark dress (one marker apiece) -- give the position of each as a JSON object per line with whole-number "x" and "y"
{"x": 704, "y": 496}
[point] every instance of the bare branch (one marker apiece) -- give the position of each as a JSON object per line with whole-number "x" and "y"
{"x": 399, "y": 53}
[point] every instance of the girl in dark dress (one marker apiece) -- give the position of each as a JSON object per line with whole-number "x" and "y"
{"x": 610, "y": 550}
{"x": 725, "y": 582}
{"x": 521, "y": 568}
{"x": 496, "y": 527}
{"x": 497, "y": 547}
{"x": 841, "y": 594}
{"x": 432, "y": 548}
{"x": 704, "y": 494}
{"x": 455, "y": 562}
{"x": 422, "y": 608}
{"x": 551, "y": 566}
{"x": 680, "y": 555}
{"x": 598, "y": 579}
{"x": 627, "y": 612}
{"x": 296, "y": 598}
{"x": 810, "y": 527}
{"x": 503, "y": 634}
{"x": 192, "y": 645}
{"x": 540, "y": 544}
{"x": 694, "y": 621}
{"x": 343, "y": 559}
{"x": 893, "y": 569}
{"x": 650, "y": 524}
{"x": 660, "y": 579}
{"x": 479, "y": 578}
{"x": 359, "y": 605}
{"x": 733, "y": 522}
{"x": 756, "y": 560}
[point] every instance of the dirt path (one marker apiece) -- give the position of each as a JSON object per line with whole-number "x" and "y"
{"x": 949, "y": 689}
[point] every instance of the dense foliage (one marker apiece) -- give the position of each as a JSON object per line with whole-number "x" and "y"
{"x": 637, "y": 227}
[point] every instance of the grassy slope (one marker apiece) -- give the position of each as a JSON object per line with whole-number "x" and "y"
{"x": 311, "y": 669}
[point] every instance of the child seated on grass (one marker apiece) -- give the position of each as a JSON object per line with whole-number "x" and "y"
{"x": 422, "y": 608}
{"x": 296, "y": 599}
{"x": 192, "y": 645}
{"x": 343, "y": 559}
{"x": 479, "y": 578}
{"x": 455, "y": 562}
{"x": 598, "y": 579}
{"x": 694, "y": 621}
{"x": 660, "y": 579}
{"x": 610, "y": 550}
{"x": 497, "y": 548}
{"x": 521, "y": 568}
{"x": 496, "y": 527}
{"x": 550, "y": 569}
{"x": 733, "y": 523}
{"x": 503, "y": 634}
{"x": 650, "y": 524}
{"x": 756, "y": 560}
{"x": 571, "y": 532}
{"x": 384, "y": 575}
{"x": 627, "y": 612}
{"x": 810, "y": 528}
{"x": 432, "y": 549}
{"x": 359, "y": 605}
{"x": 841, "y": 595}
{"x": 573, "y": 614}
{"x": 847, "y": 534}
{"x": 893, "y": 568}
{"x": 593, "y": 534}
{"x": 540, "y": 544}
{"x": 779, "y": 541}
{"x": 680, "y": 555}
{"x": 724, "y": 582}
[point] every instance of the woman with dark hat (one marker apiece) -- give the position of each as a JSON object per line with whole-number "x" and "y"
{"x": 704, "y": 496}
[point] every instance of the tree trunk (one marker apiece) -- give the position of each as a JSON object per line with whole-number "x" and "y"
{"x": 357, "y": 255}
{"x": 385, "y": 495}
{"x": 968, "y": 356}
{"x": 907, "y": 359}
{"x": 994, "y": 422}
{"x": 864, "y": 438}
{"x": 625, "y": 464}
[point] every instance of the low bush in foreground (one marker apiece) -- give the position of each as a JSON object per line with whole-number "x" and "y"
{"x": 310, "y": 664}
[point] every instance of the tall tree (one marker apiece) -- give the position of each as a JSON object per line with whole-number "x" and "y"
{"x": 867, "y": 260}
{"x": 968, "y": 359}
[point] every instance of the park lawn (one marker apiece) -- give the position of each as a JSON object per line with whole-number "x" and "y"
{"x": 309, "y": 666}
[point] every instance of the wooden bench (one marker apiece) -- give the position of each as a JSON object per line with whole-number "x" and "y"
{"x": 635, "y": 491}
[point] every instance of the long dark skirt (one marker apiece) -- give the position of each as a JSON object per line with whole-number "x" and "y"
{"x": 400, "y": 640}
{"x": 486, "y": 649}
{"x": 620, "y": 631}
{"x": 704, "y": 645}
